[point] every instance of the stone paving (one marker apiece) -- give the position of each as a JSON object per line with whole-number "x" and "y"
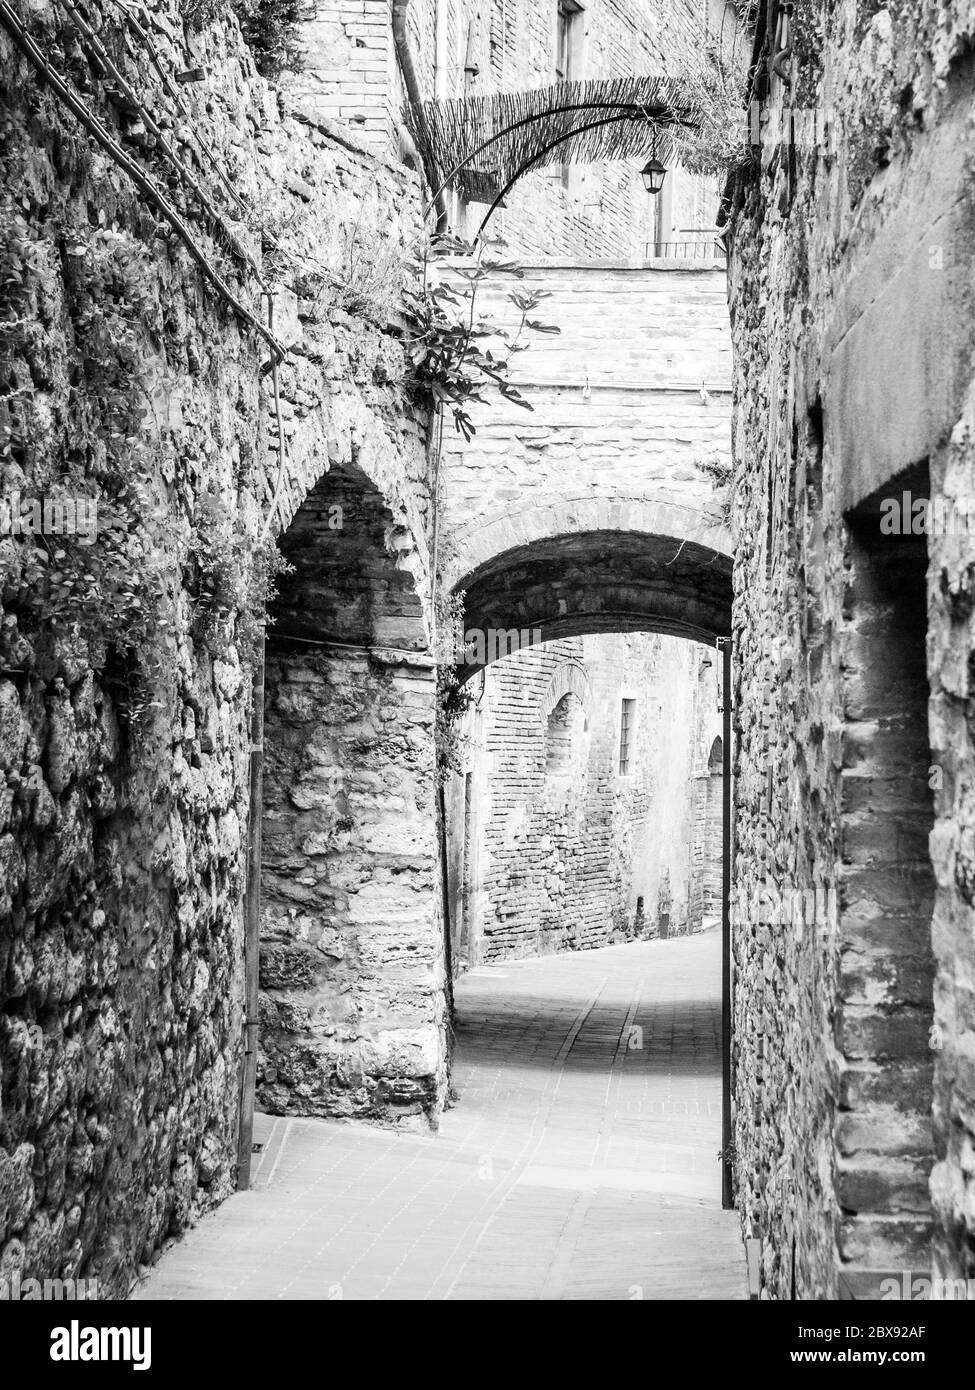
{"x": 579, "y": 1161}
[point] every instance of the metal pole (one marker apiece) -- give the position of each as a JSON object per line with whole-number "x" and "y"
{"x": 727, "y": 1188}
{"x": 445, "y": 901}
{"x": 252, "y": 927}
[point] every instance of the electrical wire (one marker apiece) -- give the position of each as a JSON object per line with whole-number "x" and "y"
{"x": 142, "y": 180}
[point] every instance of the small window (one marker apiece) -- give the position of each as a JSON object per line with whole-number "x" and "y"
{"x": 627, "y": 718}
{"x": 566, "y": 40}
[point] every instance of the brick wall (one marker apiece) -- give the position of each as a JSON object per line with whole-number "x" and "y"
{"x": 348, "y": 68}
{"x": 558, "y": 846}
{"x": 595, "y": 213}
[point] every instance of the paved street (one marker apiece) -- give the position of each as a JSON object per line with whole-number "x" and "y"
{"x": 579, "y": 1161}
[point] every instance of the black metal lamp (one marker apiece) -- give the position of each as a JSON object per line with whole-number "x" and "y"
{"x": 653, "y": 174}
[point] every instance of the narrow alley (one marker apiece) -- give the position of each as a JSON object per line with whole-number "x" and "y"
{"x": 578, "y": 1162}
{"x": 487, "y": 669}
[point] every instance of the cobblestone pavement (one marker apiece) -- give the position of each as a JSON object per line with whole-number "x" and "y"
{"x": 579, "y": 1161}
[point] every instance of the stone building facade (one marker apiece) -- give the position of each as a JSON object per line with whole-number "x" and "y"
{"x": 851, "y": 273}
{"x": 462, "y": 48}
{"x": 585, "y": 811}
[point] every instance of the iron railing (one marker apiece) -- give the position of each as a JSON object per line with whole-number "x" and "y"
{"x": 696, "y": 250}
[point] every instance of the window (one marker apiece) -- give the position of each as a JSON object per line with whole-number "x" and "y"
{"x": 568, "y": 67}
{"x": 567, "y": 40}
{"x": 627, "y": 720}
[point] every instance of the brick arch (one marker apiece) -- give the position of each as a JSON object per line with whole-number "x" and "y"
{"x": 610, "y": 580}
{"x": 569, "y": 679}
{"x": 477, "y": 543}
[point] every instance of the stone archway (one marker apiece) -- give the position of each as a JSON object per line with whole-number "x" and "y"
{"x": 572, "y": 568}
{"x": 587, "y": 581}
{"x": 556, "y": 516}
{"x": 351, "y": 954}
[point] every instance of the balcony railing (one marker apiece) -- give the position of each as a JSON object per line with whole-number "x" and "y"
{"x": 698, "y": 249}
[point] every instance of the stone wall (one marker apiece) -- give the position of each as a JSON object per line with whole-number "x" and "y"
{"x": 352, "y": 971}
{"x": 348, "y": 71}
{"x": 554, "y": 845}
{"x": 124, "y": 698}
{"x": 852, "y": 317}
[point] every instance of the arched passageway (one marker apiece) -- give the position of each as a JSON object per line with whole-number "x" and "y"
{"x": 601, "y": 581}
{"x": 351, "y": 954}
{"x": 555, "y": 810}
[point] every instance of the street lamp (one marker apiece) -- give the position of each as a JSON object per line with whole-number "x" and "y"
{"x": 653, "y": 174}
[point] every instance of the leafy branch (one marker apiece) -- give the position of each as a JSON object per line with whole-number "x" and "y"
{"x": 455, "y": 353}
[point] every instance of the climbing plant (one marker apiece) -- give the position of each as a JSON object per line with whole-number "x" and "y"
{"x": 271, "y": 28}
{"x": 232, "y": 578}
{"x": 716, "y": 83}
{"x": 80, "y": 555}
{"x": 453, "y": 698}
{"x": 455, "y": 352}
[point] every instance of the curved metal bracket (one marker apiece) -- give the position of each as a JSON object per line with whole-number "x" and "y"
{"x": 623, "y": 110}
{"x": 540, "y": 154}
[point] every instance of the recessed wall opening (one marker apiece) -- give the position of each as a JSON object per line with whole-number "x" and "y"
{"x": 627, "y": 731}
{"x": 884, "y": 1150}
{"x": 564, "y": 728}
{"x": 707, "y": 847}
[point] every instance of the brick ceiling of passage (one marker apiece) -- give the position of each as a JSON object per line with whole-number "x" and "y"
{"x": 345, "y": 586}
{"x": 604, "y": 582}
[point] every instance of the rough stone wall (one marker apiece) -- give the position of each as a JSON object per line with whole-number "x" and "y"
{"x": 124, "y": 737}
{"x": 352, "y": 971}
{"x": 551, "y": 846}
{"x": 852, "y": 318}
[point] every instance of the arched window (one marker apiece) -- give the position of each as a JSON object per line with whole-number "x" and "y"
{"x": 716, "y": 756}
